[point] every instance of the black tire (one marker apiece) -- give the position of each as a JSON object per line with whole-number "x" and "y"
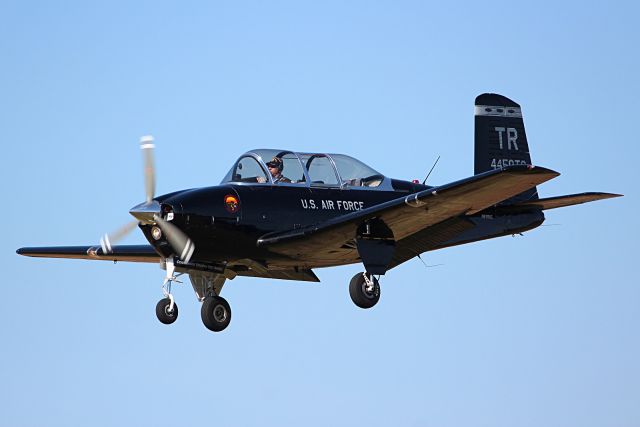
{"x": 163, "y": 313}
{"x": 359, "y": 294}
{"x": 216, "y": 313}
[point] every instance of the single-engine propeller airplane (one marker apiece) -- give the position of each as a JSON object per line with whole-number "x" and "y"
{"x": 279, "y": 214}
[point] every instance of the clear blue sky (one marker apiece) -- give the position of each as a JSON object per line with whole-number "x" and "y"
{"x": 527, "y": 331}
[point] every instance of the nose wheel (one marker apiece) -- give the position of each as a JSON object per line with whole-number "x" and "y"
{"x": 364, "y": 290}
{"x": 167, "y": 311}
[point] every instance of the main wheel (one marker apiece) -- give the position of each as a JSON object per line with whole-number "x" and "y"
{"x": 216, "y": 313}
{"x": 164, "y": 314}
{"x": 363, "y": 295}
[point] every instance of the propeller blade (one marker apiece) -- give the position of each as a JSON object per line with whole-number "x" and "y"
{"x": 147, "y": 146}
{"x": 144, "y": 211}
{"x": 109, "y": 239}
{"x": 179, "y": 241}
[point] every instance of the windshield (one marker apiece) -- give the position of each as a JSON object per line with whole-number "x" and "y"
{"x": 283, "y": 167}
{"x": 247, "y": 169}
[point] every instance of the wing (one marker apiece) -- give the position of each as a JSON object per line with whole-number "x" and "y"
{"x": 410, "y": 214}
{"x": 130, "y": 253}
{"x": 145, "y": 253}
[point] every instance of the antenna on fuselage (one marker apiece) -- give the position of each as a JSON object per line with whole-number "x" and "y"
{"x": 425, "y": 264}
{"x": 432, "y": 167}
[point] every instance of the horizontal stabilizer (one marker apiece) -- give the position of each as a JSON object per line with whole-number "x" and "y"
{"x": 559, "y": 201}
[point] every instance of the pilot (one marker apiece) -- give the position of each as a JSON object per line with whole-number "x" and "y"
{"x": 275, "y": 169}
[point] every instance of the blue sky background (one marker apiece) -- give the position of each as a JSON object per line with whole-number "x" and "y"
{"x": 527, "y": 331}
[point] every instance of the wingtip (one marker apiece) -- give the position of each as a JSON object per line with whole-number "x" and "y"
{"x": 530, "y": 169}
{"x": 609, "y": 195}
{"x": 542, "y": 169}
{"x": 601, "y": 196}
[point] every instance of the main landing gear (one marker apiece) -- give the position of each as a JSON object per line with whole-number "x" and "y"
{"x": 364, "y": 290}
{"x": 215, "y": 313}
{"x": 215, "y": 310}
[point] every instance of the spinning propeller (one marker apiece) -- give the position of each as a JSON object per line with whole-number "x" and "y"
{"x": 149, "y": 212}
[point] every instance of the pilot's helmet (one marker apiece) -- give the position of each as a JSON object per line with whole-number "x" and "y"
{"x": 276, "y": 162}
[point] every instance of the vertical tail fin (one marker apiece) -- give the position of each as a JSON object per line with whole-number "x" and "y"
{"x": 500, "y": 138}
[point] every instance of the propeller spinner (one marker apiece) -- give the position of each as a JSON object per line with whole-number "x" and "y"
{"x": 149, "y": 212}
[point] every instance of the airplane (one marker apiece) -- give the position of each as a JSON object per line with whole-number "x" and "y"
{"x": 280, "y": 214}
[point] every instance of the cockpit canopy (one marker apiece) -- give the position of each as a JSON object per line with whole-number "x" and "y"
{"x": 281, "y": 167}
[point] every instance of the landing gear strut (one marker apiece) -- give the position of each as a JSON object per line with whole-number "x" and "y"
{"x": 364, "y": 290}
{"x": 167, "y": 309}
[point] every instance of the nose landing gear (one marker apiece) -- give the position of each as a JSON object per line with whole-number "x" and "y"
{"x": 167, "y": 309}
